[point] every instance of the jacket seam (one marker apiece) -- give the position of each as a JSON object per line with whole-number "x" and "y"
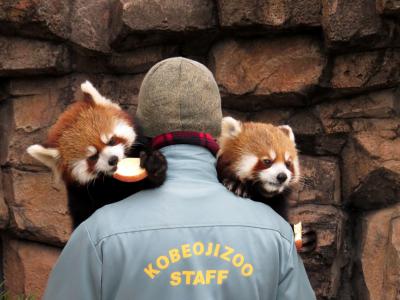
{"x": 290, "y": 257}
{"x": 93, "y": 244}
{"x": 189, "y": 226}
{"x": 98, "y": 259}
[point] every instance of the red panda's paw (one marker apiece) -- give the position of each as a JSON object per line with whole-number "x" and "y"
{"x": 156, "y": 166}
{"x": 309, "y": 239}
{"x": 237, "y": 187}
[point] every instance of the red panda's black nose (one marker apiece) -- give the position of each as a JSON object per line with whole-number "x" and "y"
{"x": 113, "y": 160}
{"x": 281, "y": 177}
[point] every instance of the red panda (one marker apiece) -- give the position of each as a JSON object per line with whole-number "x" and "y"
{"x": 260, "y": 161}
{"x": 84, "y": 147}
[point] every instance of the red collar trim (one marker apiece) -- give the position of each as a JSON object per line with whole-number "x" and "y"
{"x": 186, "y": 137}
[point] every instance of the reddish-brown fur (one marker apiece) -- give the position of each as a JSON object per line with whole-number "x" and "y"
{"x": 80, "y": 126}
{"x": 257, "y": 139}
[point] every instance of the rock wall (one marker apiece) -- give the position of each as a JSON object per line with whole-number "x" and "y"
{"x": 328, "y": 68}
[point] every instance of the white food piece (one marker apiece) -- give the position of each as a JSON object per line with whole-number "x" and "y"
{"x": 129, "y": 166}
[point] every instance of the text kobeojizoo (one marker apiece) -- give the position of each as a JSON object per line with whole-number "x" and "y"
{"x": 199, "y": 277}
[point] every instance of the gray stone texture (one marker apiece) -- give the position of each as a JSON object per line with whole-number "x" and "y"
{"x": 328, "y": 68}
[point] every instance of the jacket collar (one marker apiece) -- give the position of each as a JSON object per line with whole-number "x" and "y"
{"x": 186, "y": 137}
{"x": 189, "y": 162}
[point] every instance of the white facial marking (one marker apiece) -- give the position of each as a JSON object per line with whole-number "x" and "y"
{"x": 272, "y": 155}
{"x": 268, "y": 177}
{"x": 287, "y": 155}
{"x": 91, "y": 150}
{"x": 81, "y": 173}
{"x": 102, "y": 164}
{"x": 246, "y": 166}
{"x": 123, "y": 130}
{"x": 88, "y": 88}
{"x": 105, "y": 138}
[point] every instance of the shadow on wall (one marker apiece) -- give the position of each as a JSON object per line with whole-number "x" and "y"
{"x": 330, "y": 69}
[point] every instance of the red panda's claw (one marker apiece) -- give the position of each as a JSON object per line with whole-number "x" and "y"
{"x": 309, "y": 239}
{"x": 238, "y": 188}
{"x": 155, "y": 165}
{"x": 225, "y": 182}
{"x": 230, "y": 185}
{"x": 241, "y": 190}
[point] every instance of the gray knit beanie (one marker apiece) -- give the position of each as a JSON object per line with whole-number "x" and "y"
{"x": 179, "y": 94}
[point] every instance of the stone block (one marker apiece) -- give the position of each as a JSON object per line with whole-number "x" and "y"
{"x": 364, "y": 71}
{"x": 89, "y": 24}
{"x": 34, "y": 105}
{"x": 320, "y": 181}
{"x": 35, "y": 18}
{"x": 32, "y": 57}
{"x": 271, "y": 14}
{"x": 339, "y": 116}
{"x": 377, "y": 270}
{"x": 38, "y": 206}
{"x": 27, "y": 266}
{"x": 324, "y": 264}
{"x": 140, "y": 60}
{"x": 84, "y": 23}
{"x": 264, "y": 73}
{"x": 138, "y": 23}
{"x": 350, "y": 23}
{"x": 371, "y": 170}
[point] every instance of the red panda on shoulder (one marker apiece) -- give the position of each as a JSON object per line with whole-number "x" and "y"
{"x": 84, "y": 147}
{"x": 260, "y": 161}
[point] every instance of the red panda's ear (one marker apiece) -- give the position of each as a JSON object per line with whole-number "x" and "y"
{"x": 94, "y": 97}
{"x": 288, "y": 131}
{"x": 50, "y": 157}
{"x": 88, "y": 99}
{"x": 230, "y": 127}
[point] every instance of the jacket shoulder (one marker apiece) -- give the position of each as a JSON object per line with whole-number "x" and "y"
{"x": 146, "y": 210}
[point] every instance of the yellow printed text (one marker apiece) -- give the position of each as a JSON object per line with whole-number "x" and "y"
{"x": 188, "y": 277}
{"x": 189, "y": 251}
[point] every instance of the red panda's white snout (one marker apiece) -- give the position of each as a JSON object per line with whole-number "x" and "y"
{"x": 278, "y": 175}
{"x": 273, "y": 173}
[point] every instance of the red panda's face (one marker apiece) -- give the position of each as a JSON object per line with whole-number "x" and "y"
{"x": 100, "y": 154}
{"x": 260, "y": 153}
{"x": 275, "y": 171}
{"x": 88, "y": 139}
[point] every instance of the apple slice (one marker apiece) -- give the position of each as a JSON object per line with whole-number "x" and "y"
{"x": 298, "y": 238}
{"x": 129, "y": 170}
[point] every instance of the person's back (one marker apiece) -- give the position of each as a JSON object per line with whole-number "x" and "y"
{"x": 189, "y": 239}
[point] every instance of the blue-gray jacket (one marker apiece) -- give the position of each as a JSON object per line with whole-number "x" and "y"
{"x": 189, "y": 239}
